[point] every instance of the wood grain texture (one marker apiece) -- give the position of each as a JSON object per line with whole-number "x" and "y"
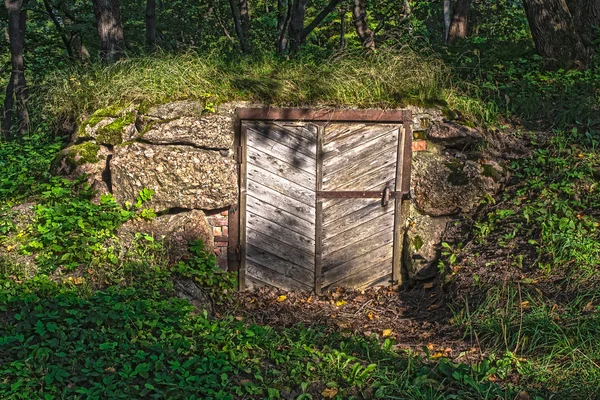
{"x": 282, "y": 250}
{"x": 295, "y": 138}
{"x": 272, "y": 278}
{"x": 371, "y": 209}
{"x": 364, "y": 277}
{"x": 294, "y": 207}
{"x": 281, "y": 233}
{"x": 285, "y": 267}
{"x": 344, "y": 255}
{"x": 358, "y": 233}
{"x": 280, "y": 217}
{"x": 366, "y": 261}
{"x": 259, "y": 158}
{"x": 281, "y": 185}
{"x": 290, "y": 155}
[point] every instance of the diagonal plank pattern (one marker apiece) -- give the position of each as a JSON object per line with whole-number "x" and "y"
{"x": 280, "y": 204}
{"x": 357, "y": 234}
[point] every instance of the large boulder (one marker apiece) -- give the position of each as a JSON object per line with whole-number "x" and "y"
{"x": 454, "y": 135}
{"x": 86, "y": 158}
{"x": 422, "y": 244}
{"x": 176, "y": 231}
{"x": 214, "y": 132}
{"x": 181, "y": 176}
{"x": 447, "y": 185}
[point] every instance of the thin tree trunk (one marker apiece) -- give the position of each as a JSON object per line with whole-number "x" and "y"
{"x": 110, "y": 29}
{"x": 237, "y": 23}
{"x": 245, "y": 20}
{"x": 283, "y": 20}
{"x": 359, "y": 13}
{"x": 150, "y": 25}
{"x": 343, "y": 28}
{"x": 297, "y": 32}
{"x": 16, "y": 90}
{"x": 459, "y": 24}
{"x": 554, "y": 33}
{"x": 447, "y": 19}
{"x": 59, "y": 28}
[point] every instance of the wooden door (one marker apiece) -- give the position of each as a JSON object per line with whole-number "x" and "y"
{"x": 311, "y": 210}
{"x": 279, "y": 197}
{"x": 357, "y": 238}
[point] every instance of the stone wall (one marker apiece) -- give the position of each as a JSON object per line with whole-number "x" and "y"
{"x": 186, "y": 156}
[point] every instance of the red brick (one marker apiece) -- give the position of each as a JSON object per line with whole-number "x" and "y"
{"x": 419, "y": 145}
{"x": 221, "y": 244}
{"x": 225, "y": 213}
{"x": 218, "y": 252}
{"x": 217, "y": 231}
{"x": 225, "y": 231}
{"x": 219, "y": 221}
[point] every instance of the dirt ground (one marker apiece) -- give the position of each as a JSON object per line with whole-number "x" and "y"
{"x": 418, "y": 318}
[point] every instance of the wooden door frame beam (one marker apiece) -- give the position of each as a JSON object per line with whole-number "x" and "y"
{"x": 324, "y": 115}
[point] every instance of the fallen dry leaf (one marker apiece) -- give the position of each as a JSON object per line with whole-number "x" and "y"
{"x": 386, "y": 332}
{"x": 371, "y": 316}
{"x": 428, "y": 285}
{"x": 340, "y": 303}
{"x": 281, "y": 298}
{"x": 329, "y": 393}
{"x": 238, "y": 318}
{"x": 588, "y": 307}
{"x": 433, "y": 307}
{"x": 437, "y": 355}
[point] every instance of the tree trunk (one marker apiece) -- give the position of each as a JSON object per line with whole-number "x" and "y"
{"x": 237, "y": 23}
{"x": 245, "y": 19}
{"x": 359, "y": 13}
{"x": 296, "y": 25}
{"x": 110, "y": 29}
{"x": 586, "y": 16}
{"x": 459, "y": 24}
{"x": 554, "y": 33}
{"x": 283, "y": 19}
{"x": 150, "y": 24}
{"x": 16, "y": 90}
{"x": 59, "y": 27}
{"x": 343, "y": 27}
{"x": 447, "y": 19}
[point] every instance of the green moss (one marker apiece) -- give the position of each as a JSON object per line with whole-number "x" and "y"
{"x": 113, "y": 133}
{"x": 111, "y": 111}
{"x": 457, "y": 176}
{"x": 491, "y": 172}
{"x": 448, "y": 114}
{"x": 84, "y": 153}
{"x": 92, "y": 121}
{"x": 418, "y": 242}
{"x": 419, "y": 135}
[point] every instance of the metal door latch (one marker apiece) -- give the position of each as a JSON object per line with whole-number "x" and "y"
{"x": 385, "y": 198}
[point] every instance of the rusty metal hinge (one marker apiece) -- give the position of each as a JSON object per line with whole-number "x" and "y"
{"x": 239, "y": 154}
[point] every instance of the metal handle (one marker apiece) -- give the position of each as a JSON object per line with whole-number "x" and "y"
{"x": 386, "y": 195}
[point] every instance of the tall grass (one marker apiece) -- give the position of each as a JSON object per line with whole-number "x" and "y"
{"x": 388, "y": 78}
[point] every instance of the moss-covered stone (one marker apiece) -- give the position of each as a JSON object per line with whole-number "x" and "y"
{"x": 112, "y": 133}
{"x": 491, "y": 172}
{"x": 418, "y": 242}
{"x": 84, "y": 153}
{"x": 91, "y": 122}
{"x": 110, "y": 111}
{"x": 448, "y": 114}
{"x": 457, "y": 175}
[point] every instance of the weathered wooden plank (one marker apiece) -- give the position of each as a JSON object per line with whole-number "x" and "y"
{"x": 319, "y": 214}
{"x": 344, "y": 255}
{"x": 242, "y": 202}
{"x": 279, "y": 216}
{"x": 353, "y": 277}
{"x": 334, "y": 159}
{"x": 398, "y": 215}
{"x": 253, "y": 284}
{"x": 281, "y": 266}
{"x": 285, "y": 170}
{"x": 353, "y": 237}
{"x": 304, "y": 242}
{"x": 268, "y": 133}
{"x": 384, "y": 280}
{"x": 299, "y": 128}
{"x": 273, "y": 278}
{"x": 282, "y": 152}
{"x": 282, "y": 250}
{"x": 360, "y": 170}
{"x": 269, "y": 196}
{"x": 377, "y": 178}
{"x": 340, "y": 139}
{"x": 281, "y": 185}
{"x": 334, "y": 224}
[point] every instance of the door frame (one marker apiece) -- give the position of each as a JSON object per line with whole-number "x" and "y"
{"x": 236, "y": 251}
